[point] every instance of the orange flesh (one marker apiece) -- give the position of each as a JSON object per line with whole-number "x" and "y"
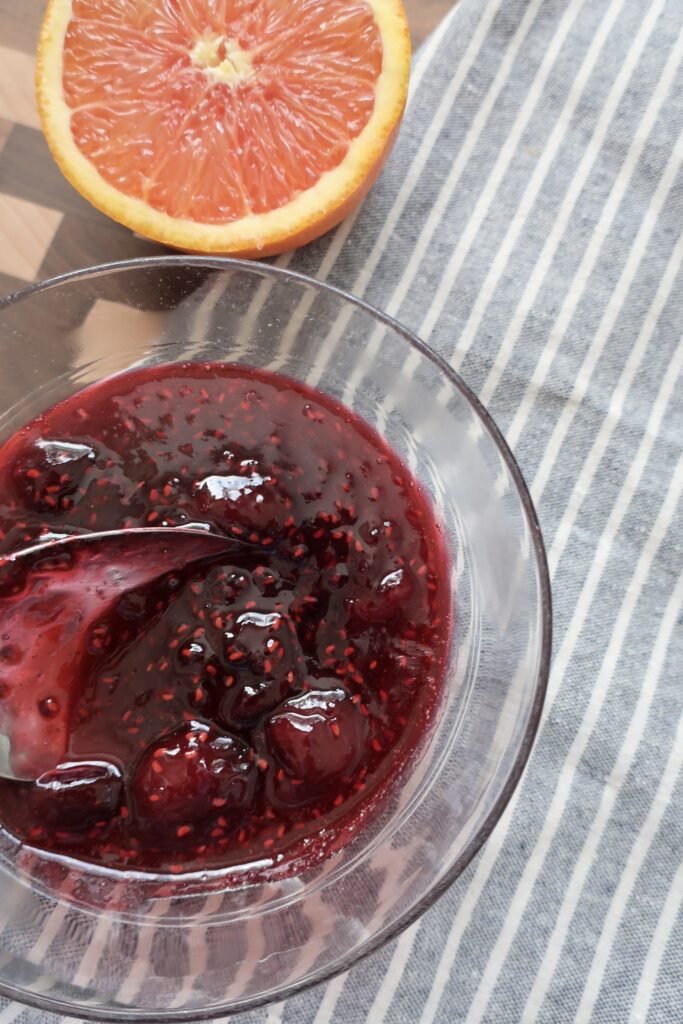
{"x": 214, "y": 109}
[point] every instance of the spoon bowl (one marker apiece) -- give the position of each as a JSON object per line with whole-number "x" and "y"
{"x": 51, "y": 595}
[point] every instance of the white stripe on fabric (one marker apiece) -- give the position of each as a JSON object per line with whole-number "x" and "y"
{"x": 426, "y": 53}
{"x": 11, "y": 904}
{"x": 609, "y": 319}
{"x": 535, "y": 183}
{"x": 309, "y": 296}
{"x": 616, "y": 406}
{"x": 255, "y": 946}
{"x": 444, "y": 109}
{"x": 614, "y": 784}
{"x": 275, "y": 1013}
{"x": 412, "y": 179}
{"x": 553, "y": 818}
{"x": 197, "y": 951}
{"x": 484, "y": 865}
{"x": 44, "y": 985}
{"x": 582, "y": 277}
{"x": 49, "y": 932}
{"x": 493, "y": 847}
{"x": 261, "y": 294}
{"x": 87, "y": 968}
{"x": 495, "y": 179}
{"x": 134, "y": 980}
{"x": 11, "y": 1012}
{"x": 330, "y": 999}
{"x": 655, "y": 954}
{"x": 624, "y": 890}
{"x": 385, "y": 993}
{"x": 434, "y": 219}
{"x": 592, "y": 151}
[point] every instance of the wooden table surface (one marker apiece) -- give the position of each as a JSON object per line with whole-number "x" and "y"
{"x": 46, "y": 228}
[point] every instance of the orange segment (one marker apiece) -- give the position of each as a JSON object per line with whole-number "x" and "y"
{"x": 243, "y": 126}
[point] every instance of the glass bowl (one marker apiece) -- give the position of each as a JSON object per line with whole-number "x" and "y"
{"x": 118, "y": 946}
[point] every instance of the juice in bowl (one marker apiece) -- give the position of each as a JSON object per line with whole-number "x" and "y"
{"x": 252, "y": 763}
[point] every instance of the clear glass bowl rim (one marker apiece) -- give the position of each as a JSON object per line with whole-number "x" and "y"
{"x": 41, "y": 1002}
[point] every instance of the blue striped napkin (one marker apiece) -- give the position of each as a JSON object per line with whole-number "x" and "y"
{"x": 529, "y": 227}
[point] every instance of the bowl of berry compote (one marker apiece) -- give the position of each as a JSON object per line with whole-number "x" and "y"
{"x": 274, "y": 635}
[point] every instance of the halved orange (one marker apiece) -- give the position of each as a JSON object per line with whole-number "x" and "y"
{"x": 234, "y": 126}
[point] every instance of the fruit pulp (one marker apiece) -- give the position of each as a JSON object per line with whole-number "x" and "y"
{"x": 215, "y": 114}
{"x": 249, "y": 708}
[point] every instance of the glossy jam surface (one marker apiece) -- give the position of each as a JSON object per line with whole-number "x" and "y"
{"x": 251, "y": 706}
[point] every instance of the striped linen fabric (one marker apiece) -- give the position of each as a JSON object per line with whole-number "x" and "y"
{"x": 529, "y": 227}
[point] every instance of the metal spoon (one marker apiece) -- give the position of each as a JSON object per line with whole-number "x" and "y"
{"x": 50, "y": 594}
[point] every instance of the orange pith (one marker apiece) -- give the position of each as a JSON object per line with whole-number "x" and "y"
{"x": 253, "y": 123}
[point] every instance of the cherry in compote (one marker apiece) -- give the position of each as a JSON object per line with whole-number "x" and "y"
{"x": 248, "y": 707}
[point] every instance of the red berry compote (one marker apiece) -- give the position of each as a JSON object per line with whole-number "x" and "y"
{"x": 250, "y": 707}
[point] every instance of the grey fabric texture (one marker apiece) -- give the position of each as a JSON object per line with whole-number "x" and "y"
{"x": 528, "y": 226}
